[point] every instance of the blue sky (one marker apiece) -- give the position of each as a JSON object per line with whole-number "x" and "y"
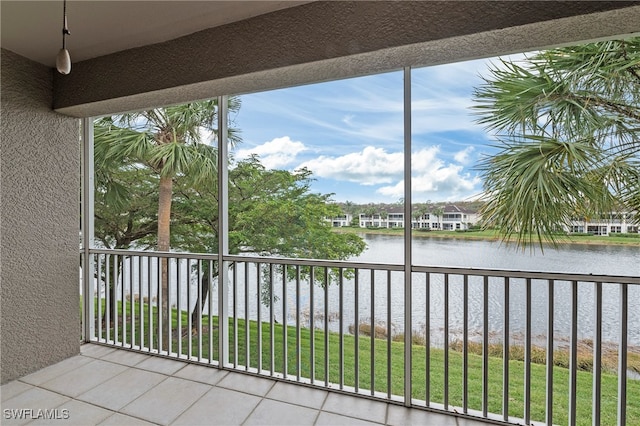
{"x": 349, "y": 133}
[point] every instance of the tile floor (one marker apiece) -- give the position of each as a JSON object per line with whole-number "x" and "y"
{"x": 107, "y": 386}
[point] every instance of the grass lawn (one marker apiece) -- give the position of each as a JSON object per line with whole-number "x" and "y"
{"x": 381, "y": 369}
{"x": 493, "y": 235}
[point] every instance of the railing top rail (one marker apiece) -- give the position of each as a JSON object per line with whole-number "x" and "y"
{"x": 508, "y": 273}
{"x": 558, "y": 276}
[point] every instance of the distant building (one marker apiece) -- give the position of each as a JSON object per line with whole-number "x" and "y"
{"x": 450, "y": 218}
{"x": 612, "y": 223}
{"x": 343, "y": 220}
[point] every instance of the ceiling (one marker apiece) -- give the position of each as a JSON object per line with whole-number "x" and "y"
{"x": 33, "y": 29}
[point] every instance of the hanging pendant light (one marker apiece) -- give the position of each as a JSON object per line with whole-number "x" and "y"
{"x": 63, "y": 60}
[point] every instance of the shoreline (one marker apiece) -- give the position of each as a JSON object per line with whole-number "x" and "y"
{"x": 493, "y": 236}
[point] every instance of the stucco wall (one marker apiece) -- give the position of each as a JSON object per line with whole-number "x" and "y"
{"x": 39, "y": 217}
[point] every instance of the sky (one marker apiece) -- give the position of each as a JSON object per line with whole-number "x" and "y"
{"x": 349, "y": 133}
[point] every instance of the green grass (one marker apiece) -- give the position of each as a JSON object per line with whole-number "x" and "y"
{"x": 381, "y": 367}
{"x": 613, "y": 239}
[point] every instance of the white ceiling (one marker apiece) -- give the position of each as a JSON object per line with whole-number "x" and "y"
{"x": 34, "y": 28}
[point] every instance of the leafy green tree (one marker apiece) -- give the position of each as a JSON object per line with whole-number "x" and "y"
{"x": 271, "y": 213}
{"x": 125, "y": 206}
{"x": 568, "y": 123}
{"x": 168, "y": 142}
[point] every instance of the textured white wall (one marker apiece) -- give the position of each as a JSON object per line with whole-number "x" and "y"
{"x": 39, "y": 219}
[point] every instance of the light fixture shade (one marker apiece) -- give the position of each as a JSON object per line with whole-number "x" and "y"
{"x": 63, "y": 62}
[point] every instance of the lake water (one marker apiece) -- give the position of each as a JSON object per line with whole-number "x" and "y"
{"x": 584, "y": 259}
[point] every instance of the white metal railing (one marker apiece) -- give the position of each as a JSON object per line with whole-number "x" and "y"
{"x": 283, "y": 321}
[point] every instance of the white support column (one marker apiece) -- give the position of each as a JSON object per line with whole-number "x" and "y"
{"x": 223, "y": 233}
{"x": 407, "y": 238}
{"x": 88, "y": 318}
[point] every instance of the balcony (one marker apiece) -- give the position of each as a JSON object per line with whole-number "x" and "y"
{"x": 276, "y": 324}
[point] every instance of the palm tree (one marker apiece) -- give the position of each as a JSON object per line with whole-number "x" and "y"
{"x": 169, "y": 142}
{"x": 568, "y": 121}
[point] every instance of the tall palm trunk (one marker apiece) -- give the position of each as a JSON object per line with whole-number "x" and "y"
{"x": 112, "y": 273}
{"x": 164, "y": 235}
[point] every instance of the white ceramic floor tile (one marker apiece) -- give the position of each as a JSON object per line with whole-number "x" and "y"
{"x": 247, "y": 383}
{"x": 469, "y": 422}
{"x": 399, "y": 416}
{"x": 366, "y": 409}
{"x": 331, "y": 419}
{"x": 161, "y": 365}
{"x": 219, "y": 407}
{"x": 95, "y": 351}
{"x": 125, "y": 357}
{"x": 122, "y": 420}
{"x": 166, "y": 401}
{"x": 201, "y": 373}
{"x": 11, "y": 389}
{"x": 76, "y": 413}
{"x": 80, "y": 380}
{"x": 270, "y": 412}
{"x": 122, "y": 389}
{"x": 56, "y": 370}
{"x": 299, "y": 395}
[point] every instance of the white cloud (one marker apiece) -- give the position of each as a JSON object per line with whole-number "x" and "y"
{"x": 371, "y": 166}
{"x": 462, "y": 157}
{"x": 275, "y": 154}
{"x": 433, "y": 179}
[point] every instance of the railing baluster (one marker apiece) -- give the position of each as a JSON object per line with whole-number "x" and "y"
{"x": 505, "y": 353}
{"x": 341, "y": 330}
{"x": 285, "y": 352}
{"x": 485, "y": 347}
{"x": 356, "y": 330}
{"x": 98, "y": 263}
{"x": 199, "y": 307}
{"x": 189, "y": 323}
{"x": 573, "y": 355}
{"x": 272, "y": 339}
{"x": 210, "y": 309}
{"x": 298, "y": 335}
{"x": 123, "y": 305}
{"x": 372, "y": 331}
{"x": 527, "y": 353}
{"x": 179, "y": 305}
{"x": 550, "y": 321}
{"x": 259, "y": 308}
{"x": 427, "y": 343}
{"x": 597, "y": 354}
{"x": 326, "y": 326}
{"x": 160, "y": 299}
{"x": 140, "y": 304}
{"x": 312, "y": 327}
{"x": 389, "y": 334}
{"x": 169, "y": 324}
{"x": 149, "y": 306}
{"x": 445, "y": 341}
{"x": 140, "y": 314}
{"x": 235, "y": 314}
{"x": 132, "y": 304}
{"x": 247, "y": 321}
{"x": 108, "y": 294}
{"x": 465, "y": 343}
{"x": 622, "y": 356}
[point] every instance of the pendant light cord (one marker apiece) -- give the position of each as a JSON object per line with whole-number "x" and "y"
{"x": 65, "y": 30}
